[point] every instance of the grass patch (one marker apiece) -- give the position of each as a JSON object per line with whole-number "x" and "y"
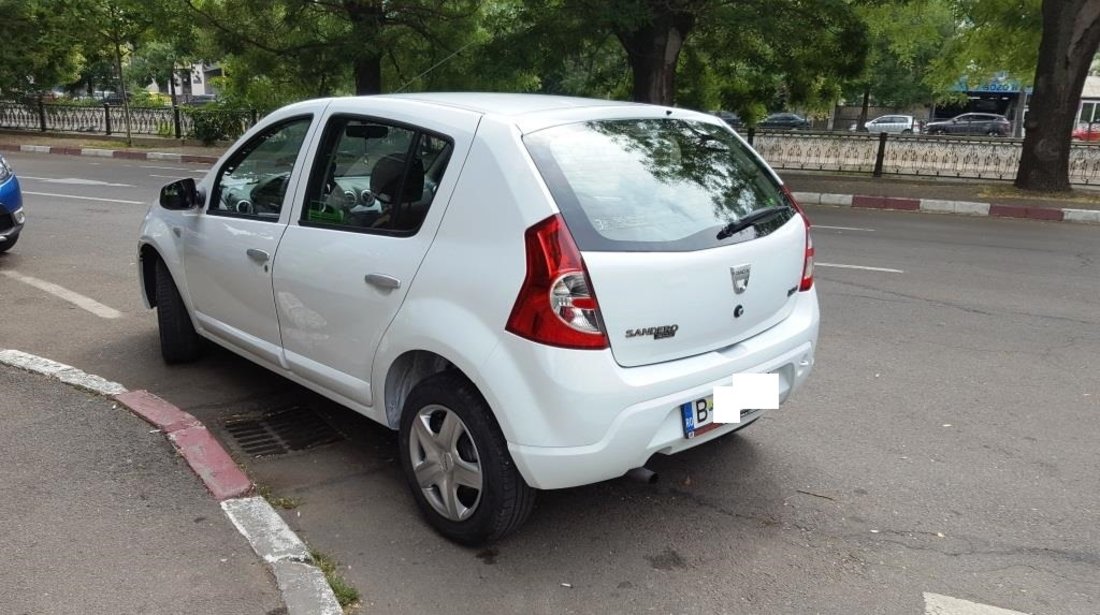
{"x": 277, "y": 501}
{"x": 1009, "y": 191}
{"x": 346, "y": 595}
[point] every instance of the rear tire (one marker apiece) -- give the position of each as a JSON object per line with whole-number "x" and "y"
{"x": 178, "y": 341}
{"x": 9, "y": 244}
{"x": 473, "y": 444}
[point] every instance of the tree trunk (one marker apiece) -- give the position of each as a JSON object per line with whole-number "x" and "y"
{"x": 122, "y": 92}
{"x": 653, "y": 51}
{"x": 1071, "y": 35}
{"x": 368, "y": 75}
{"x": 863, "y": 110}
{"x": 368, "y": 19}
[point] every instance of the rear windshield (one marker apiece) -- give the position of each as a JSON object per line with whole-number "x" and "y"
{"x": 654, "y": 184}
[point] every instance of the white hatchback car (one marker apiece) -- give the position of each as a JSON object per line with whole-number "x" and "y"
{"x": 537, "y": 292}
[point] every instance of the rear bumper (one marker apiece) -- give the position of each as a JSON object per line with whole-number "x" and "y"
{"x": 617, "y": 418}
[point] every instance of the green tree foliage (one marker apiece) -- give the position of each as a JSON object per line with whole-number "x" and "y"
{"x": 307, "y": 48}
{"x": 37, "y": 52}
{"x": 742, "y": 55}
{"x": 907, "y": 38}
{"x": 992, "y": 37}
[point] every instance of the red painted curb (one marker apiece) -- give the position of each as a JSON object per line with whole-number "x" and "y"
{"x": 1020, "y": 211}
{"x": 202, "y": 451}
{"x": 885, "y": 202}
{"x": 69, "y": 151}
{"x": 121, "y": 153}
{"x": 163, "y": 415}
{"x": 7, "y": 147}
{"x": 209, "y": 460}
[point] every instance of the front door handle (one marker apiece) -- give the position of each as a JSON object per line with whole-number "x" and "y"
{"x": 383, "y": 281}
{"x": 259, "y": 256}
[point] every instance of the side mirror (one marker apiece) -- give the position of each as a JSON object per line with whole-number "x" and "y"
{"x": 179, "y": 195}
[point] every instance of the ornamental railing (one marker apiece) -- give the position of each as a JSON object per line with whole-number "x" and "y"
{"x": 174, "y": 122}
{"x": 911, "y": 155}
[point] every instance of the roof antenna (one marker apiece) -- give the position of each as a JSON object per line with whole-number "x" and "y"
{"x": 668, "y": 112}
{"x": 433, "y": 67}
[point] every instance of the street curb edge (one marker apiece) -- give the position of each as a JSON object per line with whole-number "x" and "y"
{"x": 302, "y": 585}
{"x": 109, "y": 153}
{"x": 939, "y": 206}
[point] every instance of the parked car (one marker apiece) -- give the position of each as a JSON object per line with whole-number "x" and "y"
{"x": 785, "y": 121}
{"x": 12, "y": 217}
{"x": 972, "y": 124}
{"x": 731, "y": 119}
{"x": 535, "y": 292}
{"x": 897, "y": 124}
{"x": 1087, "y": 132}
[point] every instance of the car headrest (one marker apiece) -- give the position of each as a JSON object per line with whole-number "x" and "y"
{"x": 385, "y": 178}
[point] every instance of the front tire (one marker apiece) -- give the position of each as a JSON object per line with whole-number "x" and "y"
{"x": 178, "y": 341}
{"x": 457, "y": 464}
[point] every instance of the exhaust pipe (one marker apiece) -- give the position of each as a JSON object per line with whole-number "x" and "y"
{"x": 642, "y": 475}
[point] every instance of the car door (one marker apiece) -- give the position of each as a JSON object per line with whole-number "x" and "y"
{"x": 228, "y": 247}
{"x": 380, "y": 178}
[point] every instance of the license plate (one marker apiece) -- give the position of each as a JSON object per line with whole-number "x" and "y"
{"x": 698, "y": 416}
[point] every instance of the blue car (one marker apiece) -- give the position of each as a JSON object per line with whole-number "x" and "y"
{"x": 11, "y": 207}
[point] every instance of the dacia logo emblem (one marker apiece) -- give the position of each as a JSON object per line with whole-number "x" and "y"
{"x": 740, "y": 276}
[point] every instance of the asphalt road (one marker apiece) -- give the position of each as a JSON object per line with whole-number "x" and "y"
{"x": 946, "y": 442}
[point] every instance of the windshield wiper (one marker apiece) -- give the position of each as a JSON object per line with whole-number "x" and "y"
{"x": 750, "y": 219}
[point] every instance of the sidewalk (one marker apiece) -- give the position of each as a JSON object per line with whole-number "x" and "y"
{"x": 925, "y": 194}
{"x": 101, "y": 516}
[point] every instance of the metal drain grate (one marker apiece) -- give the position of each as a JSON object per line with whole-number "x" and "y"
{"x": 281, "y": 431}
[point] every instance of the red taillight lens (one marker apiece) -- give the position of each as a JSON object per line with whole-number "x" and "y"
{"x": 556, "y": 305}
{"x": 808, "y": 259}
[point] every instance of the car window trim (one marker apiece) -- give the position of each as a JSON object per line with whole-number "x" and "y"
{"x": 324, "y": 146}
{"x": 243, "y": 151}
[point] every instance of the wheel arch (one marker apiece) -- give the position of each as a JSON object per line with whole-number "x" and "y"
{"x": 406, "y": 371}
{"x": 147, "y": 273}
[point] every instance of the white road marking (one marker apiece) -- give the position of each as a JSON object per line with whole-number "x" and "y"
{"x": 861, "y": 267}
{"x": 62, "y": 372}
{"x": 75, "y": 298}
{"x": 75, "y": 181}
{"x": 844, "y": 228}
{"x": 82, "y": 198}
{"x": 935, "y": 604}
{"x": 163, "y": 168}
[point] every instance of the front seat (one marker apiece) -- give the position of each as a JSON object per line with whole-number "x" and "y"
{"x": 404, "y": 211}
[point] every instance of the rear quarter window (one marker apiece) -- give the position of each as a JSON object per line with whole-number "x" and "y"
{"x": 654, "y": 184}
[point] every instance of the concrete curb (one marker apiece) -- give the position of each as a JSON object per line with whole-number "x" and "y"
{"x": 109, "y": 153}
{"x": 963, "y": 208}
{"x": 302, "y": 584}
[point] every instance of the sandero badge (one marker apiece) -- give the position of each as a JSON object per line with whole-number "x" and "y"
{"x": 658, "y": 333}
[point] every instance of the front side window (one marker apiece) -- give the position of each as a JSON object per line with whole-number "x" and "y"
{"x": 374, "y": 176}
{"x": 654, "y": 184}
{"x": 253, "y": 183}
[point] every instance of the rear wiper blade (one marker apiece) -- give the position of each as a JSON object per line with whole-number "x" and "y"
{"x": 750, "y": 219}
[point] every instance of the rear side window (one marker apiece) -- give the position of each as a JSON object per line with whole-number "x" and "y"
{"x": 373, "y": 176}
{"x": 654, "y": 184}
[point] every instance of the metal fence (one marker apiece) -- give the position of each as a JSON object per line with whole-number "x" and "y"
{"x": 916, "y": 155}
{"x": 175, "y": 122}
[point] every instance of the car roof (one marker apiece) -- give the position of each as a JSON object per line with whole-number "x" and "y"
{"x": 528, "y": 112}
{"x": 507, "y": 104}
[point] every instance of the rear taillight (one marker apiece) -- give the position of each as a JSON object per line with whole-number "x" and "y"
{"x": 808, "y": 259}
{"x": 556, "y": 304}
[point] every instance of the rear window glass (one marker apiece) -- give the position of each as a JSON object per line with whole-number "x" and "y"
{"x": 654, "y": 184}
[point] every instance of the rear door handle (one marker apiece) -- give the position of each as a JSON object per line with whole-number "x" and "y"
{"x": 259, "y": 256}
{"x": 383, "y": 281}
